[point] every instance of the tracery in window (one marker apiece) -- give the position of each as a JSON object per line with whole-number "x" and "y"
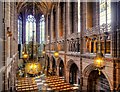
{"x": 30, "y": 27}
{"x": 42, "y": 33}
{"x": 19, "y": 36}
{"x": 20, "y": 31}
{"x": 105, "y": 12}
{"x": 42, "y": 29}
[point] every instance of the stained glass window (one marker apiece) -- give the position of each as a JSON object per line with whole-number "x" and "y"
{"x": 19, "y": 31}
{"x": 42, "y": 29}
{"x": 105, "y": 12}
{"x": 30, "y": 27}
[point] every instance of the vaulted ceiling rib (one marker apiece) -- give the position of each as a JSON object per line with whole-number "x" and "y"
{"x": 43, "y": 6}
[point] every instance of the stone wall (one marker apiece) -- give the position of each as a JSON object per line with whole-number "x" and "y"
{"x": 84, "y": 60}
{"x": 9, "y": 45}
{"x": 1, "y": 44}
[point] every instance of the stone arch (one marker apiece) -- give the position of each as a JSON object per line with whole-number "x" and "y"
{"x": 58, "y": 61}
{"x": 61, "y": 68}
{"x": 53, "y": 65}
{"x": 88, "y": 70}
{"x": 47, "y": 63}
{"x": 69, "y": 63}
{"x": 73, "y": 72}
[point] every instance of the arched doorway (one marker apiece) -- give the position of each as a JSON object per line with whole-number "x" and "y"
{"x": 61, "y": 68}
{"x": 53, "y": 66}
{"x": 73, "y": 74}
{"x": 97, "y": 82}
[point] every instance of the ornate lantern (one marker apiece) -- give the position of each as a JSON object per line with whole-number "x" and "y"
{"x": 24, "y": 53}
{"x": 99, "y": 59}
{"x": 43, "y": 52}
{"x": 56, "y": 54}
{"x": 25, "y": 56}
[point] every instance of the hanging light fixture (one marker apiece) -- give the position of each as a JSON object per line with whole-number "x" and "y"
{"x": 33, "y": 66}
{"x": 56, "y": 54}
{"x": 99, "y": 59}
{"x": 25, "y": 55}
{"x": 43, "y": 52}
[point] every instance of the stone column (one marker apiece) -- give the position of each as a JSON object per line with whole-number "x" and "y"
{"x": 57, "y": 71}
{"x": 11, "y": 28}
{"x": 82, "y": 41}
{"x": 83, "y": 25}
{"x": 72, "y": 45}
{"x": 51, "y": 25}
{"x": 68, "y": 45}
{"x": 46, "y": 29}
{"x": 67, "y": 75}
{"x": 65, "y": 32}
{"x": 105, "y": 44}
{"x": 118, "y": 47}
{"x": 57, "y": 21}
{"x": 8, "y": 28}
{"x": 16, "y": 29}
{"x": 114, "y": 19}
{"x": 49, "y": 33}
{"x": 76, "y": 17}
{"x": 78, "y": 45}
{"x": 68, "y": 18}
{"x": 2, "y": 27}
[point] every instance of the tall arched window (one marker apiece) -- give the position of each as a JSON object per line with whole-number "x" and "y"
{"x": 42, "y": 29}
{"x": 20, "y": 36}
{"x": 42, "y": 33}
{"x": 20, "y": 30}
{"x": 105, "y": 12}
{"x": 30, "y": 27}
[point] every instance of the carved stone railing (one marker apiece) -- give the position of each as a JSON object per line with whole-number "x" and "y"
{"x": 73, "y": 45}
{"x": 92, "y": 36}
{"x": 97, "y": 30}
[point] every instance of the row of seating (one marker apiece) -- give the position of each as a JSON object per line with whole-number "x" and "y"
{"x": 26, "y": 84}
{"x": 58, "y": 83}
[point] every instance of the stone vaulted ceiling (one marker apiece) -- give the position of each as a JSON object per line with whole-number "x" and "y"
{"x": 40, "y": 7}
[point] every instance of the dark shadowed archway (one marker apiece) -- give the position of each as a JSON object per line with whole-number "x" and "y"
{"x": 97, "y": 82}
{"x": 61, "y": 68}
{"x": 54, "y": 67}
{"x": 73, "y": 74}
{"x": 48, "y": 64}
